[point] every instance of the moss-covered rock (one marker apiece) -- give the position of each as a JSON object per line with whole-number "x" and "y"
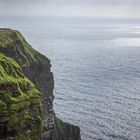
{"x": 21, "y": 111}
{"x": 37, "y": 68}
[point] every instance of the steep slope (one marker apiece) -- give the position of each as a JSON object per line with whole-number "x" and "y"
{"x": 21, "y": 111}
{"x": 37, "y": 68}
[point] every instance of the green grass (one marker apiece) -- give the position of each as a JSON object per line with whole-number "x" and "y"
{"x": 12, "y": 41}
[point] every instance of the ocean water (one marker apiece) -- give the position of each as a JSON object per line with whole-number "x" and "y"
{"x": 96, "y": 66}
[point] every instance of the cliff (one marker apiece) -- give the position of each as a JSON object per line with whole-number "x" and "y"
{"x": 21, "y": 111}
{"x": 37, "y": 68}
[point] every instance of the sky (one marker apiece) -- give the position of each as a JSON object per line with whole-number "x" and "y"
{"x": 90, "y": 8}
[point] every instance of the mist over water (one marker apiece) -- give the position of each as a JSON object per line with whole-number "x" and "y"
{"x": 96, "y": 66}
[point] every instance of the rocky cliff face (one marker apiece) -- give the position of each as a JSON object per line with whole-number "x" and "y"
{"x": 37, "y": 68}
{"x": 21, "y": 110}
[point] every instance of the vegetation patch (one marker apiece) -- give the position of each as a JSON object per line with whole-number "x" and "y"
{"x": 21, "y": 111}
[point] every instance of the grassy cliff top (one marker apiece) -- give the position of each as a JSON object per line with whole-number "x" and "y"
{"x": 12, "y": 42}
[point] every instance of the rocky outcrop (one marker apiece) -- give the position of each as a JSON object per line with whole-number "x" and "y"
{"x": 37, "y": 68}
{"x": 67, "y": 131}
{"x": 21, "y": 110}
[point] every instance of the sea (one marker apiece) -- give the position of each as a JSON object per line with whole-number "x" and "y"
{"x": 96, "y": 66}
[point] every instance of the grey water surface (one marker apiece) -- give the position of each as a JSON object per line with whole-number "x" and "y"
{"x": 96, "y": 66}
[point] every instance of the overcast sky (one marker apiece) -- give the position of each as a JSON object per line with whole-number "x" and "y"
{"x": 96, "y": 8}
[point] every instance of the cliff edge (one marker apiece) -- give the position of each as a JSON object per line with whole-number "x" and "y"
{"x": 37, "y": 68}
